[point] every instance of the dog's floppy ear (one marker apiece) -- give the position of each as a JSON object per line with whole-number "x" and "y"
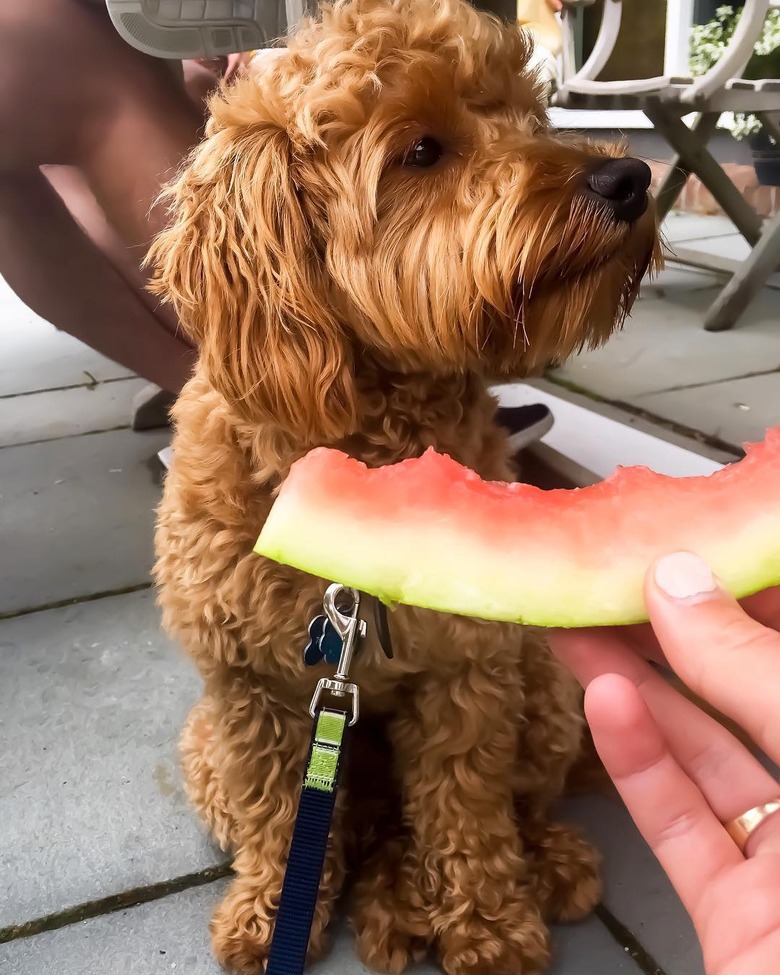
{"x": 238, "y": 262}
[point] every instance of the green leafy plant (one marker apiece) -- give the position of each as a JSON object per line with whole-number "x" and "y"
{"x": 709, "y": 41}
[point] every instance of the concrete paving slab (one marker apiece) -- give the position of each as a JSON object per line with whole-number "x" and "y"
{"x": 77, "y": 514}
{"x": 588, "y": 949}
{"x": 92, "y": 699}
{"x": 638, "y": 892}
{"x": 676, "y": 278}
{"x": 165, "y": 937}
{"x": 171, "y": 936}
{"x": 34, "y": 355}
{"x": 695, "y": 226}
{"x": 736, "y": 411}
{"x": 727, "y": 245}
{"x": 67, "y": 412}
{"x": 664, "y": 345}
{"x": 732, "y": 246}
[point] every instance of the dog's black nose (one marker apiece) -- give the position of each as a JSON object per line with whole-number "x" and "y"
{"x": 622, "y": 185}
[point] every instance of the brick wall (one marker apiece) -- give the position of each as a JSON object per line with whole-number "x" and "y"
{"x": 696, "y": 199}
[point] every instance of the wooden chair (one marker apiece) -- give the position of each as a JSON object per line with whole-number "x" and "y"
{"x": 667, "y": 100}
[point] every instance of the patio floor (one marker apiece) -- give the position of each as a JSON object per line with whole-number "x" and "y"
{"x": 722, "y": 385}
{"x": 105, "y": 868}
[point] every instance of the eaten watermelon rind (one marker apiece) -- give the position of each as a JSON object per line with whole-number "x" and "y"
{"x": 428, "y": 532}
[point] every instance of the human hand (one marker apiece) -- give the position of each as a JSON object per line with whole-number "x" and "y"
{"x": 555, "y": 5}
{"x": 203, "y": 75}
{"x": 679, "y": 771}
{"x": 226, "y": 67}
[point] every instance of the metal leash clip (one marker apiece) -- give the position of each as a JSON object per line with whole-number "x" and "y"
{"x": 350, "y": 628}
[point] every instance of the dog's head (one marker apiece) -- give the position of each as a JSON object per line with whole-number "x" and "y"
{"x": 387, "y": 186}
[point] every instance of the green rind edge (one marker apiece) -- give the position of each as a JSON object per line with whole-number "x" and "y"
{"x": 571, "y": 621}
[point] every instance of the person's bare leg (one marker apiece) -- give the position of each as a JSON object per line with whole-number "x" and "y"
{"x": 72, "y": 93}
{"x": 59, "y": 272}
{"x": 72, "y": 187}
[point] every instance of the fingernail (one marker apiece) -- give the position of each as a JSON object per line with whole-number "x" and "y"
{"x": 684, "y": 575}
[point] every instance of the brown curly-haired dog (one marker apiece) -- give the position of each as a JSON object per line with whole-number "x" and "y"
{"x": 377, "y": 224}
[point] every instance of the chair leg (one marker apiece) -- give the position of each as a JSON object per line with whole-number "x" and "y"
{"x": 698, "y": 160}
{"x": 677, "y": 175}
{"x": 747, "y": 281}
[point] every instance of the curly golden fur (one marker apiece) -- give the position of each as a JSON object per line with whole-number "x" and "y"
{"x": 341, "y": 296}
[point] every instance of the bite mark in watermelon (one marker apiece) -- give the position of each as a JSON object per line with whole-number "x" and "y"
{"x": 429, "y": 532}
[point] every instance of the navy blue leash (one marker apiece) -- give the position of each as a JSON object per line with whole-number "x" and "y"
{"x": 318, "y": 796}
{"x": 309, "y": 845}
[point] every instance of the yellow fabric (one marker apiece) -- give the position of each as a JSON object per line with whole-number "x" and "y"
{"x": 539, "y": 17}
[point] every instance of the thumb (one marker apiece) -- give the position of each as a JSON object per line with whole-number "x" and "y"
{"x": 716, "y": 648}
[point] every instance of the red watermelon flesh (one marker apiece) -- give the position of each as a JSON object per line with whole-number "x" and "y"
{"x": 429, "y": 532}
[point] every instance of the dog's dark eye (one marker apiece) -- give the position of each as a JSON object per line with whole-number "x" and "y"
{"x": 427, "y": 152}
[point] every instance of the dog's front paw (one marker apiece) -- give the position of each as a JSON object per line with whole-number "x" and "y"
{"x": 242, "y": 927}
{"x": 390, "y": 919}
{"x": 515, "y": 942}
{"x": 241, "y": 937}
{"x": 564, "y": 872}
{"x": 384, "y": 942}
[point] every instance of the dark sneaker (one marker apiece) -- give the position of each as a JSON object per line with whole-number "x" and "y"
{"x": 526, "y": 424}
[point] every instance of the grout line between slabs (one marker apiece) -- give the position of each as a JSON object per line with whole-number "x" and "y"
{"x": 638, "y": 411}
{"x": 713, "y": 236}
{"x": 721, "y": 275}
{"x": 75, "y": 601}
{"x": 712, "y": 382}
{"x": 91, "y": 384}
{"x": 66, "y": 436}
{"x": 671, "y": 260}
{"x": 114, "y": 902}
{"x": 137, "y": 896}
{"x": 645, "y": 961}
